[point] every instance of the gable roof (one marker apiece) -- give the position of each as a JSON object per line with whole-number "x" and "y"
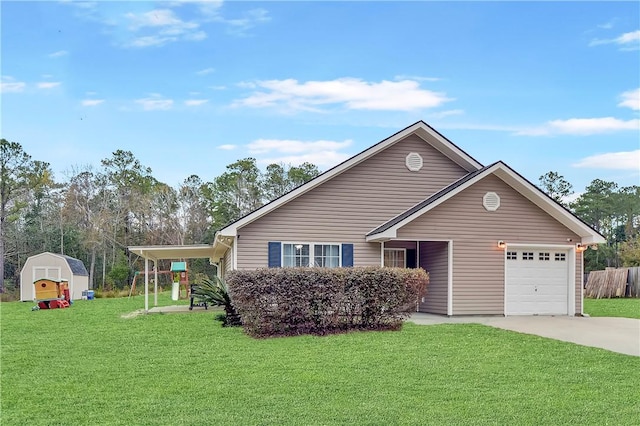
{"x": 76, "y": 265}
{"x": 388, "y": 230}
{"x": 420, "y": 128}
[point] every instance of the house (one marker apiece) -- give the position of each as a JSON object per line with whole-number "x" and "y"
{"x": 55, "y": 267}
{"x": 492, "y": 242}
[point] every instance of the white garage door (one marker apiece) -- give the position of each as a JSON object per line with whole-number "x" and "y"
{"x": 537, "y": 281}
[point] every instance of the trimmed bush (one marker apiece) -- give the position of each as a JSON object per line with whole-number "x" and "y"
{"x": 292, "y": 301}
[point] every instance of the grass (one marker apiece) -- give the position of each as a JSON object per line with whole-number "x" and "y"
{"x": 86, "y": 365}
{"x": 627, "y": 308}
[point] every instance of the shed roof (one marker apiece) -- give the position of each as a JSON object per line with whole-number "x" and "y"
{"x": 76, "y": 265}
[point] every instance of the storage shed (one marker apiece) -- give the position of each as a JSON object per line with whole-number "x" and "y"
{"x": 53, "y": 266}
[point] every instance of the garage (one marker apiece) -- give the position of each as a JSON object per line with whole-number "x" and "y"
{"x": 538, "y": 281}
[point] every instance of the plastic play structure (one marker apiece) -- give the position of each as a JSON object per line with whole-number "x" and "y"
{"x": 179, "y": 277}
{"x": 52, "y": 294}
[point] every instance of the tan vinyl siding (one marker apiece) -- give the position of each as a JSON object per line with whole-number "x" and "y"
{"x": 228, "y": 261}
{"x": 345, "y": 208}
{"x": 434, "y": 259}
{"x": 478, "y": 264}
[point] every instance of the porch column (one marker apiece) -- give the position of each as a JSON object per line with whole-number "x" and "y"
{"x": 146, "y": 285}
{"x": 155, "y": 283}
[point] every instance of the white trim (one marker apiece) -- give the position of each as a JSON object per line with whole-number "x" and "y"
{"x": 571, "y": 271}
{"x": 582, "y": 283}
{"x": 402, "y": 249}
{"x": 234, "y": 255}
{"x": 571, "y": 295}
{"x": 450, "y": 281}
{"x": 526, "y": 189}
{"x": 421, "y": 129}
{"x": 312, "y": 250}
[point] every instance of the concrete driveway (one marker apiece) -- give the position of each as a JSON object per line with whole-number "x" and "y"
{"x": 614, "y": 334}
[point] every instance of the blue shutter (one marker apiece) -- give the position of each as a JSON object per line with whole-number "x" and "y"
{"x": 275, "y": 254}
{"x": 412, "y": 258}
{"x": 347, "y": 255}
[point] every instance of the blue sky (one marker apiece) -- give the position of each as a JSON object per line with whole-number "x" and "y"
{"x": 190, "y": 87}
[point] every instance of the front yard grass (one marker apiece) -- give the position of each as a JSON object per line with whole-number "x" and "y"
{"x": 87, "y": 365}
{"x": 627, "y": 308}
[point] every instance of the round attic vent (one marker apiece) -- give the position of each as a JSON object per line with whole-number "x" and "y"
{"x": 414, "y": 161}
{"x": 491, "y": 201}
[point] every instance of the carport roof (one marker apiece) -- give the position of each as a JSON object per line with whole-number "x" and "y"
{"x": 194, "y": 251}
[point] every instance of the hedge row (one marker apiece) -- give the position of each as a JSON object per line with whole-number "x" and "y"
{"x": 292, "y": 301}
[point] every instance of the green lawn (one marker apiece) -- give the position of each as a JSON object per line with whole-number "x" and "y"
{"x": 628, "y": 308}
{"x": 87, "y": 365}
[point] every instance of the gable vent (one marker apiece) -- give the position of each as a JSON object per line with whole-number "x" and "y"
{"x": 414, "y": 161}
{"x": 491, "y": 201}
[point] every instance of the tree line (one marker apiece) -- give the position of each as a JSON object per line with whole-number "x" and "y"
{"x": 611, "y": 210}
{"x": 95, "y": 213}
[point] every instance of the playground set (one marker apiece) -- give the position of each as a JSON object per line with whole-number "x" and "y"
{"x": 180, "y": 281}
{"x": 52, "y": 294}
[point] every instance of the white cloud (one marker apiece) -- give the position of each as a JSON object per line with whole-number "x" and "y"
{"x": 205, "y": 71}
{"x": 631, "y": 99}
{"x": 416, "y": 78}
{"x": 322, "y": 153}
{"x": 227, "y": 147}
{"x": 261, "y": 146}
{"x": 628, "y": 41}
{"x": 161, "y": 26}
{"x": 250, "y": 19}
{"x": 195, "y": 102}
{"x": 92, "y": 102}
{"x": 155, "y": 102}
{"x": 582, "y": 126}
{"x": 351, "y": 93}
{"x": 58, "y": 54}
{"x": 10, "y": 85}
{"x": 443, "y": 114}
{"x": 48, "y": 84}
{"x": 629, "y": 160}
{"x": 158, "y": 18}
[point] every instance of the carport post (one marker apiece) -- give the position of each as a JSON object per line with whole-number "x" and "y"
{"x": 146, "y": 285}
{"x": 155, "y": 283}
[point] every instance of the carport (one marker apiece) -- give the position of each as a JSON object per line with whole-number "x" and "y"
{"x": 156, "y": 253}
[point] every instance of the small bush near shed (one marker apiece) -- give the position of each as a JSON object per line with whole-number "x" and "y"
{"x": 292, "y": 301}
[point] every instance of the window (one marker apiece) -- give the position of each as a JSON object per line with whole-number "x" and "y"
{"x": 527, "y": 255}
{"x": 560, "y": 257}
{"x": 295, "y": 255}
{"x": 512, "y": 255}
{"x": 543, "y": 256}
{"x": 326, "y": 255}
{"x": 306, "y": 254}
{"x": 395, "y": 258}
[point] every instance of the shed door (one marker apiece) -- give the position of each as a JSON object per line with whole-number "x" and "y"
{"x": 537, "y": 282}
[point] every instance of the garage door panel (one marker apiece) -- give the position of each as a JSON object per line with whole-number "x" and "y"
{"x": 537, "y": 282}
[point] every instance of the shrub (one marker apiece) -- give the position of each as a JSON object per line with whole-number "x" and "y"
{"x": 214, "y": 292}
{"x": 291, "y": 301}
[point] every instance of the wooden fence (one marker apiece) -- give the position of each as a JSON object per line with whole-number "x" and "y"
{"x": 613, "y": 282}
